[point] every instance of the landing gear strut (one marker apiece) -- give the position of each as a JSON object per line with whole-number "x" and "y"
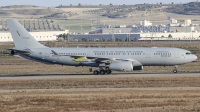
{"x": 175, "y": 69}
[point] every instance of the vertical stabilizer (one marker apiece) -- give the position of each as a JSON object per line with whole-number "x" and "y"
{"x": 21, "y": 37}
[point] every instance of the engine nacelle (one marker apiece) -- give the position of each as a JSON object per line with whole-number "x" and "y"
{"x": 126, "y": 66}
{"x": 138, "y": 68}
{"x": 12, "y": 52}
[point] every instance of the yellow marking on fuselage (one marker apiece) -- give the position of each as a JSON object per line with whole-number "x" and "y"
{"x": 80, "y": 59}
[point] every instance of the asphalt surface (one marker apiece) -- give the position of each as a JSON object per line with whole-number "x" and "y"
{"x": 61, "y": 76}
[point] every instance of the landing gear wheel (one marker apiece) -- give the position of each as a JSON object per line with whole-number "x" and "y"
{"x": 175, "y": 71}
{"x": 108, "y": 71}
{"x": 102, "y": 72}
{"x": 96, "y": 72}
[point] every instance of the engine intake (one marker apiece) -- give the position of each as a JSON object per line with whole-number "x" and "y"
{"x": 138, "y": 68}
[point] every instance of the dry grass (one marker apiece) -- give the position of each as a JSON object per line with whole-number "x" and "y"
{"x": 115, "y": 101}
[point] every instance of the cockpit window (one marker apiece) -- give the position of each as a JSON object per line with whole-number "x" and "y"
{"x": 188, "y": 53}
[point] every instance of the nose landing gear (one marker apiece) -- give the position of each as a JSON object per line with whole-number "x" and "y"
{"x": 175, "y": 69}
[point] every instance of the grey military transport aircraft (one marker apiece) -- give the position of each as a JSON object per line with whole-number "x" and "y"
{"x": 106, "y": 59}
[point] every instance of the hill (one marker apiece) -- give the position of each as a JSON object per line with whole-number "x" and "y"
{"x": 82, "y": 18}
{"x": 192, "y": 8}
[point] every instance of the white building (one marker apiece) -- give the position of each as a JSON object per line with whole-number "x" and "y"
{"x": 182, "y": 29}
{"x": 145, "y": 23}
{"x": 174, "y": 21}
{"x": 170, "y": 36}
{"x": 188, "y": 22}
{"x": 39, "y": 36}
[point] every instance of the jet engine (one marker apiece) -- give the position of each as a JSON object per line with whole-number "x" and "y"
{"x": 138, "y": 68}
{"x": 126, "y": 66}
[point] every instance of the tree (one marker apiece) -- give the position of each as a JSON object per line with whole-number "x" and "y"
{"x": 170, "y": 36}
{"x": 118, "y": 39}
{"x": 135, "y": 39}
{"x": 79, "y": 4}
{"x": 64, "y": 36}
{"x": 61, "y": 39}
{"x": 84, "y": 39}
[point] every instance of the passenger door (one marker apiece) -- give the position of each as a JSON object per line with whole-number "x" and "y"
{"x": 148, "y": 54}
{"x": 176, "y": 54}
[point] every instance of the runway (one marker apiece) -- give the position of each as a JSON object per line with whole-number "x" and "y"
{"x": 80, "y": 76}
{"x": 61, "y": 76}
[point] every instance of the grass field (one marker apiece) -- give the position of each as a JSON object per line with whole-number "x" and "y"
{"x": 75, "y": 25}
{"x": 100, "y": 100}
{"x": 105, "y": 101}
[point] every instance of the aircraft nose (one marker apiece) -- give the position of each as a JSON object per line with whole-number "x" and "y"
{"x": 195, "y": 58}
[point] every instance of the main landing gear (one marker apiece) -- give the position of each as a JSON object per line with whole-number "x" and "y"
{"x": 175, "y": 69}
{"x": 102, "y": 71}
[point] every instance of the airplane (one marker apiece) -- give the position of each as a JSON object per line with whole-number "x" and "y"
{"x": 125, "y": 59}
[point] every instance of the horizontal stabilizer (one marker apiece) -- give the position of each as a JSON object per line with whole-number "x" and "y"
{"x": 20, "y": 51}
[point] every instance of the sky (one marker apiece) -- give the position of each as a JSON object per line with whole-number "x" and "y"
{"x": 53, "y": 3}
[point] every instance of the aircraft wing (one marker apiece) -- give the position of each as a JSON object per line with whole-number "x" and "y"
{"x": 95, "y": 59}
{"x": 105, "y": 59}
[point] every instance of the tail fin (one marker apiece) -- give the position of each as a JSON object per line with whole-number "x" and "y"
{"x": 21, "y": 37}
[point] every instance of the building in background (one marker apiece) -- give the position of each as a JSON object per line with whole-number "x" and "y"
{"x": 39, "y": 36}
